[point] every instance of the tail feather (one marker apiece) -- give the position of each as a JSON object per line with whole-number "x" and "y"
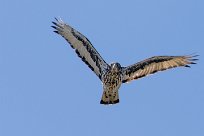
{"x": 109, "y": 98}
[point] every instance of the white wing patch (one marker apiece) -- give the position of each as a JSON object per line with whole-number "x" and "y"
{"x": 82, "y": 46}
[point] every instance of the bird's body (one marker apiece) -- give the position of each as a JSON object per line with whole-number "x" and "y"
{"x": 112, "y": 81}
{"x": 113, "y": 75}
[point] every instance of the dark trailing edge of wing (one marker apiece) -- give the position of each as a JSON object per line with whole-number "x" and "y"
{"x": 141, "y": 66}
{"x": 84, "y": 60}
{"x": 91, "y": 52}
{"x": 80, "y": 39}
{"x": 94, "y": 60}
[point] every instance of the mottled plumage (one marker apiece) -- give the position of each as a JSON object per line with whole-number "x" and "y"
{"x": 113, "y": 75}
{"x": 112, "y": 81}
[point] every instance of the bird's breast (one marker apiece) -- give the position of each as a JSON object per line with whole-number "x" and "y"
{"x": 112, "y": 80}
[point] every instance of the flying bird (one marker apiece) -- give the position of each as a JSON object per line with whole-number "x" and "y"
{"x": 113, "y": 75}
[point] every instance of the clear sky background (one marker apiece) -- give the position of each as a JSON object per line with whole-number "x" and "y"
{"x": 46, "y": 90}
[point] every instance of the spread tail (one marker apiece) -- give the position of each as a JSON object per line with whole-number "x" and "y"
{"x": 109, "y": 98}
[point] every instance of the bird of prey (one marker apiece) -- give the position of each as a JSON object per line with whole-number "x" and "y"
{"x": 113, "y": 75}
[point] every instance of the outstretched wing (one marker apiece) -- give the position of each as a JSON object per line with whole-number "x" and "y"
{"x": 155, "y": 64}
{"x": 82, "y": 46}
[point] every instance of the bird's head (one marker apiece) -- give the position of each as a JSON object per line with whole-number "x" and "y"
{"x": 116, "y": 67}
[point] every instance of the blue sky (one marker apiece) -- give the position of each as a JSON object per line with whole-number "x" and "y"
{"x": 45, "y": 89}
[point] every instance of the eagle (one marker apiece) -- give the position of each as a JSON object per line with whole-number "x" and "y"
{"x": 113, "y": 75}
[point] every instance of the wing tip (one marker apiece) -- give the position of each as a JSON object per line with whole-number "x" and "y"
{"x": 54, "y": 27}
{"x": 58, "y": 25}
{"x": 187, "y": 66}
{"x": 54, "y": 23}
{"x": 191, "y": 59}
{"x": 56, "y": 32}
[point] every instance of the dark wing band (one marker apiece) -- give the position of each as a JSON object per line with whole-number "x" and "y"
{"x": 155, "y": 64}
{"x": 82, "y": 46}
